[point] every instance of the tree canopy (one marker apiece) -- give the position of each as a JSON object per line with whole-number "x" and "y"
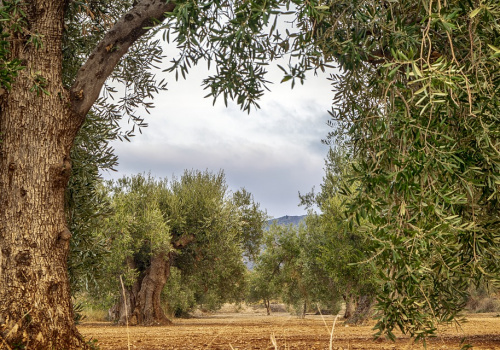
{"x": 191, "y": 225}
{"x": 417, "y": 101}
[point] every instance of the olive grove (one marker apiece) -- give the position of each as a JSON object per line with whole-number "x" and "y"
{"x": 415, "y": 99}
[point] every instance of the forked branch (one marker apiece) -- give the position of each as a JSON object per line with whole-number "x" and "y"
{"x": 111, "y": 49}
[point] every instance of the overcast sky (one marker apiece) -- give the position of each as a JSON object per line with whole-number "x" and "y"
{"x": 274, "y": 152}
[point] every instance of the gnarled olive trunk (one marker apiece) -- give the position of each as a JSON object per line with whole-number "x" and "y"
{"x": 141, "y": 303}
{"x": 36, "y": 132}
{"x": 362, "y": 312}
{"x": 350, "y": 305}
{"x": 39, "y": 119}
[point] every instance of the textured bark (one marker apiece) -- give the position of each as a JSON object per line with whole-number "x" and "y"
{"x": 111, "y": 49}
{"x": 267, "y": 304}
{"x": 350, "y": 305}
{"x": 148, "y": 307}
{"x": 363, "y": 310}
{"x": 142, "y": 302}
{"x": 128, "y": 301}
{"x": 37, "y": 135}
{"x": 37, "y": 131}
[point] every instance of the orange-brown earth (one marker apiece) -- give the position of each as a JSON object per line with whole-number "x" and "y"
{"x": 255, "y": 331}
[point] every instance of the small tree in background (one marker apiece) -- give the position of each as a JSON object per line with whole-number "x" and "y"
{"x": 287, "y": 270}
{"x": 344, "y": 251}
{"x": 277, "y": 272}
{"x": 261, "y": 287}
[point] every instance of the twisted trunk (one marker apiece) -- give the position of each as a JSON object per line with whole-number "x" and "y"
{"x": 142, "y": 302}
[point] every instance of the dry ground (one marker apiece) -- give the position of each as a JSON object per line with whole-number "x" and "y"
{"x": 254, "y": 331}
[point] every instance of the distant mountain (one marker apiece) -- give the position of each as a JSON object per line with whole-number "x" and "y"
{"x": 287, "y": 220}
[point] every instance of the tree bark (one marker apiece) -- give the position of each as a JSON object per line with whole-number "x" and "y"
{"x": 143, "y": 299}
{"x": 362, "y": 310}
{"x": 349, "y": 306}
{"x": 124, "y": 310}
{"x": 267, "y": 303}
{"x": 148, "y": 306}
{"x": 36, "y": 136}
{"x": 110, "y": 50}
{"x": 38, "y": 123}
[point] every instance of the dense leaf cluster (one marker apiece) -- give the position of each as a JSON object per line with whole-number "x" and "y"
{"x": 418, "y": 98}
{"x": 194, "y": 223}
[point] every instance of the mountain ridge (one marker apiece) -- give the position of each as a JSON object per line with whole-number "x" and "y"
{"x": 287, "y": 220}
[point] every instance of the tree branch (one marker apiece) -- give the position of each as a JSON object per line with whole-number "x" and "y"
{"x": 183, "y": 241}
{"x": 111, "y": 49}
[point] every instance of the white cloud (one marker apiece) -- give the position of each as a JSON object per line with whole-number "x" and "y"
{"x": 273, "y": 152}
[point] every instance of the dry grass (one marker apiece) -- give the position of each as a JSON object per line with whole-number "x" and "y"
{"x": 91, "y": 314}
{"x": 253, "y": 332}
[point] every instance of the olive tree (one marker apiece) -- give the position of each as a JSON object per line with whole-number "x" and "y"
{"x": 418, "y": 100}
{"x": 55, "y": 58}
{"x": 287, "y": 269}
{"x": 191, "y": 224}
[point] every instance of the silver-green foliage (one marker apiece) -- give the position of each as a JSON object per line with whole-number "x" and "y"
{"x": 137, "y": 231}
{"x": 212, "y": 265}
{"x": 288, "y": 270}
{"x": 278, "y": 272}
{"x": 418, "y": 98}
{"x": 194, "y": 222}
{"x": 341, "y": 252}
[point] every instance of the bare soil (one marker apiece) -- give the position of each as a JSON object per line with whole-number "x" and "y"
{"x": 257, "y": 331}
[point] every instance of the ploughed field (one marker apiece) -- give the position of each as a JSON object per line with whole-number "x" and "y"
{"x": 281, "y": 331}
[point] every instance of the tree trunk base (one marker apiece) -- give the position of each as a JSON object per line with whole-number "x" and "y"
{"x": 362, "y": 311}
{"x": 140, "y": 304}
{"x": 16, "y": 336}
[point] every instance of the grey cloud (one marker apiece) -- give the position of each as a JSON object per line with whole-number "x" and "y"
{"x": 273, "y": 178}
{"x": 274, "y": 152}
